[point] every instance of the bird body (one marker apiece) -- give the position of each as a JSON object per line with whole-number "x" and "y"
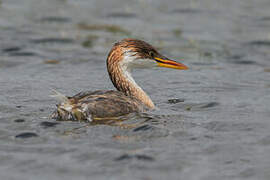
{"x": 91, "y": 105}
{"x": 124, "y": 56}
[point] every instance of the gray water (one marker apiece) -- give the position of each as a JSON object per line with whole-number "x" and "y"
{"x": 212, "y": 121}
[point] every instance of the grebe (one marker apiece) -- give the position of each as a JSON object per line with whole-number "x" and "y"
{"x": 123, "y": 57}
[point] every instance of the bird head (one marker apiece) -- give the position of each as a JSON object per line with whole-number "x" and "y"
{"x": 133, "y": 53}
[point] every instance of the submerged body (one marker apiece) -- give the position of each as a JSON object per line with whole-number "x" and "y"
{"x": 91, "y": 105}
{"x": 123, "y": 57}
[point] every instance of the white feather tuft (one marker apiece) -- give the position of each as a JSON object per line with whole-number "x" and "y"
{"x": 60, "y": 97}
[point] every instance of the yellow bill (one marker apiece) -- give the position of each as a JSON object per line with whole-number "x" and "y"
{"x": 170, "y": 64}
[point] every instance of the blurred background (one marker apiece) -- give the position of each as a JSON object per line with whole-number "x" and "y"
{"x": 212, "y": 121}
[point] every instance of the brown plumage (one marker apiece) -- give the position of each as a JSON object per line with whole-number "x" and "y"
{"x": 123, "y": 57}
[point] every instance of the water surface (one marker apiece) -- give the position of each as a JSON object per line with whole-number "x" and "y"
{"x": 212, "y": 121}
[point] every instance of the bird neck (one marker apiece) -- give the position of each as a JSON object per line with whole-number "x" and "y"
{"x": 122, "y": 80}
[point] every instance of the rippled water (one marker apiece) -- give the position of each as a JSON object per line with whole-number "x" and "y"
{"x": 212, "y": 122}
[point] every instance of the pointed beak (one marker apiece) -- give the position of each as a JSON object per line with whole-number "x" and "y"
{"x": 170, "y": 64}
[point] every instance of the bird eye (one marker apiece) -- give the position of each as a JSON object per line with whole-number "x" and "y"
{"x": 151, "y": 54}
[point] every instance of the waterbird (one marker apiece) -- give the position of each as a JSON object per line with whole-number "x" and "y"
{"x": 125, "y": 55}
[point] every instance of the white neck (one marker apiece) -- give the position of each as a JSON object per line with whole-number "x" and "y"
{"x": 135, "y": 89}
{"x": 121, "y": 77}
